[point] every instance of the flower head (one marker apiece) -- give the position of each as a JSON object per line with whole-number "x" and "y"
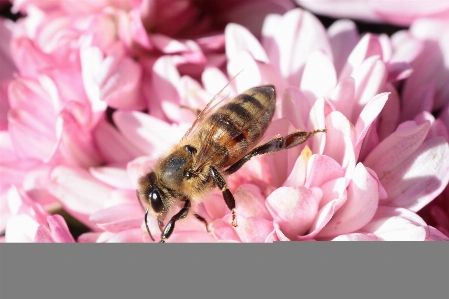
{"x": 103, "y": 91}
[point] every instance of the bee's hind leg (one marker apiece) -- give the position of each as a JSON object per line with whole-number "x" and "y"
{"x": 274, "y": 145}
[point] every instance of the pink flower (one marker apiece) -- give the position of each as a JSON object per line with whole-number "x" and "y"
{"x": 392, "y": 11}
{"x": 77, "y": 138}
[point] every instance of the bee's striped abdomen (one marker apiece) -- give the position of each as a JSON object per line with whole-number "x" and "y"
{"x": 238, "y": 125}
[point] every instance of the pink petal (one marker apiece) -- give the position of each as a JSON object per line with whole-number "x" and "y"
{"x": 293, "y": 209}
{"x": 388, "y": 118}
{"x": 191, "y": 237}
{"x": 370, "y": 78}
{"x": 340, "y": 141}
{"x": 298, "y": 174}
{"x": 250, "y": 202}
{"x": 323, "y": 216}
{"x": 138, "y": 126}
{"x": 21, "y": 228}
{"x": 356, "y": 237}
{"x": 302, "y": 34}
{"x": 90, "y": 237}
{"x": 369, "y": 113}
{"x": 76, "y": 146}
{"x": 397, "y": 147}
{"x": 121, "y": 90}
{"x": 422, "y": 99}
{"x": 127, "y": 236}
{"x": 296, "y": 107}
{"x": 113, "y": 176}
{"x": 69, "y": 185}
{"x": 239, "y": 39}
{"x": 436, "y": 235}
{"x": 332, "y": 190}
{"x": 322, "y": 169}
{"x": 118, "y": 218}
{"x": 252, "y": 229}
{"x": 420, "y": 178}
{"x": 360, "y": 206}
{"x": 32, "y": 117}
{"x": 112, "y": 145}
{"x": 57, "y": 231}
{"x": 222, "y": 230}
{"x": 343, "y": 36}
{"x": 166, "y": 44}
{"x": 368, "y": 46}
{"x": 397, "y": 224}
{"x": 165, "y": 78}
{"x": 342, "y": 97}
{"x": 319, "y": 75}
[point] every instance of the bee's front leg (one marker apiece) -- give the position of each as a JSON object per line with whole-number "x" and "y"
{"x": 227, "y": 195}
{"x": 170, "y": 227}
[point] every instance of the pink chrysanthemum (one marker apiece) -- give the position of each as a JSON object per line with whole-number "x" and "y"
{"x": 74, "y": 135}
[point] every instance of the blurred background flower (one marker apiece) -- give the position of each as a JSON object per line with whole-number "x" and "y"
{"x": 92, "y": 93}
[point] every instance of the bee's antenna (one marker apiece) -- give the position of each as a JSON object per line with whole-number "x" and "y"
{"x": 146, "y": 224}
{"x": 146, "y": 216}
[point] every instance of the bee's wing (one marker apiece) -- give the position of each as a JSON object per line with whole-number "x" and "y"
{"x": 216, "y": 131}
{"x": 213, "y": 104}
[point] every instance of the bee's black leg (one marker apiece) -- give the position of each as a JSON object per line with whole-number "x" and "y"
{"x": 274, "y": 145}
{"x": 227, "y": 195}
{"x": 201, "y": 218}
{"x": 168, "y": 230}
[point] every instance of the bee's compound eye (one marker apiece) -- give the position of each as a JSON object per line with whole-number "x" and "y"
{"x": 156, "y": 201}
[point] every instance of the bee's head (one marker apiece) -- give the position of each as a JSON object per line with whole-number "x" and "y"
{"x": 151, "y": 195}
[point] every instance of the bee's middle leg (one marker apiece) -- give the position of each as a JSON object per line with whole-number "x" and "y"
{"x": 227, "y": 195}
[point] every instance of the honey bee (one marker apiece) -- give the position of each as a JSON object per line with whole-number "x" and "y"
{"x": 216, "y": 145}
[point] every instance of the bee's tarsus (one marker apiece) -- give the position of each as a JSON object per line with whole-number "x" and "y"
{"x": 233, "y": 222}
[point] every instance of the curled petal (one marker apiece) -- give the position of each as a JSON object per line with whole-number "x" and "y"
{"x": 420, "y": 178}
{"x": 322, "y": 169}
{"x": 397, "y": 147}
{"x": 293, "y": 209}
{"x": 360, "y": 206}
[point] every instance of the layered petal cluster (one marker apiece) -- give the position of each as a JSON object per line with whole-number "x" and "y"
{"x": 102, "y": 91}
{"x": 67, "y": 65}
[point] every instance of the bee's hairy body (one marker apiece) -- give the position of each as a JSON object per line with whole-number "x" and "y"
{"x": 213, "y": 148}
{"x": 224, "y": 149}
